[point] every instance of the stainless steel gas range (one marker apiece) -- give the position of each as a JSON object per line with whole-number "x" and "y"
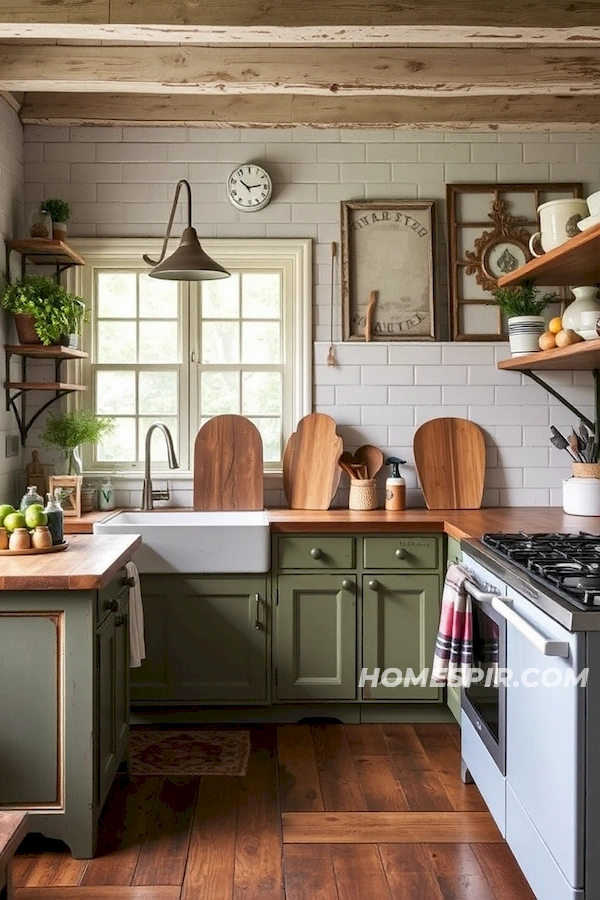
{"x": 531, "y": 731}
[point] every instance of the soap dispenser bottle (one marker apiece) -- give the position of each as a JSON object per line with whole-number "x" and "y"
{"x": 395, "y": 485}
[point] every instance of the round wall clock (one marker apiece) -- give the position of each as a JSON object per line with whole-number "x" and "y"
{"x": 249, "y": 187}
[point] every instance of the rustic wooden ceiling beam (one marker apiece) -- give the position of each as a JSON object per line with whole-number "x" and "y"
{"x": 533, "y": 113}
{"x": 239, "y": 70}
{"x": 314, "y": 21}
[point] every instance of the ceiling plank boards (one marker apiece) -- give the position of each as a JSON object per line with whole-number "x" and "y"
{"x": 279, "y": 21}
{"x": 520, "y": 113}
{"x": 326, "y": 70}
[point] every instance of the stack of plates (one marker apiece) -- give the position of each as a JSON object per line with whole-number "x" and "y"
{"x": 587, "y": 223}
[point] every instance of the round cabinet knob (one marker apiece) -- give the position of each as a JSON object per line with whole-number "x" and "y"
{"x": 401, "y": 553}
{"x": 113, "y": 605}
{"x": 373, "y": 584}
{"x": 347, "y": 584}
{"x": 316, "y": 553}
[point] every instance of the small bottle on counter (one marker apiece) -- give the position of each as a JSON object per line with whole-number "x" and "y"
{"x": 106, "y": 495}
{"x": 395, "y": 485}
{"x": 54, "y": 511}
{"x": 30, "y": 497}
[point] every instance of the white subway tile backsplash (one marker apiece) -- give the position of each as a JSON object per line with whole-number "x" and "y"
{"x": 425, "y": 374}
{"x": 121, "y": 182}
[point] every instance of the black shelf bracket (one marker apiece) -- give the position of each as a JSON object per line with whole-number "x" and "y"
{"x": 22, "y": 424}
{"x": 593, "y": 426}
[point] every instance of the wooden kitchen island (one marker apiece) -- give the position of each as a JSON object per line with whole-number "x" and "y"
{"x": 64, "y": 704}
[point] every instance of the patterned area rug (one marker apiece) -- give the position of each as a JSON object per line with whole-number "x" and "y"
{"x": 189, "y": 752}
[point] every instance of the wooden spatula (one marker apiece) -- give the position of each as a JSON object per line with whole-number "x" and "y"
{"x": 371, "y": 457}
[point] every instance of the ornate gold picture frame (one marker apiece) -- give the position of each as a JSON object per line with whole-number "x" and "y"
{"x": 489, "y": 226}
{"x": 387, "y": 270}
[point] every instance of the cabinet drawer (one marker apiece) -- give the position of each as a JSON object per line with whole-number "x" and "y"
{"x": 402, "y": 552}
{"x": 320, "y": 552}
{"x": 113, "y": 597}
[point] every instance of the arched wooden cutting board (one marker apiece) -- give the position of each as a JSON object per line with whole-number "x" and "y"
{"x": 450, "y": 461}
{"x": 228, "y": 465}
{"x": 311, "y": 474}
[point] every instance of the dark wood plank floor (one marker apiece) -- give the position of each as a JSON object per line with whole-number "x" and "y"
{"x": 355, "y": 812}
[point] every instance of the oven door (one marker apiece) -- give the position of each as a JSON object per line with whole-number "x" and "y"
{"x": 484, "y": 698}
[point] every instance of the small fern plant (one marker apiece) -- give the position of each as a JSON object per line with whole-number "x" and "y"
{"x": 522, "y": 300}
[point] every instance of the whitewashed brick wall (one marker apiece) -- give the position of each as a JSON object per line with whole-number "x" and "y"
{"x": 121, "y": 181}
{"x": 11, "y": 225}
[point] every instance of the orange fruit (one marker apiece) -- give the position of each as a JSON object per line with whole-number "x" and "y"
{"x": 555, "y": 325}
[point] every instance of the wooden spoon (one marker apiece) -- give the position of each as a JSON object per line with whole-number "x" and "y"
{"x": 371, "y": 457}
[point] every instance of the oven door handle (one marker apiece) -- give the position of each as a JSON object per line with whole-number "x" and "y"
{"x": 503, "y": 606}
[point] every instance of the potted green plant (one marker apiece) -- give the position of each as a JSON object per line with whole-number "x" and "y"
{"x": 44, "y": 311}
{"x": 523, "y": 307}
{"x": 69, "y": 430}
{"x": 59, "y": 211}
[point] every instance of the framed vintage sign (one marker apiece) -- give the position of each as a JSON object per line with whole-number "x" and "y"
{"x": 387, "y": 270}
{"x": 489, "y": 226}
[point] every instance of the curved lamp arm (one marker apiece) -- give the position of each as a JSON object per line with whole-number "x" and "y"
{"x": 148, "y": 259}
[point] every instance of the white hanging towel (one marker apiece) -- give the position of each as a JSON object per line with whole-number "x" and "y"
{"x": 137, "y": 647}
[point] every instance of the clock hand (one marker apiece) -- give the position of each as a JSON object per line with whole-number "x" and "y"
{"x": 251, "y": 186}
{"x": 245, "y": 185}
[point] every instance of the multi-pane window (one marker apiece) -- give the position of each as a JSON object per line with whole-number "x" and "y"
{"x": 183, "y": 352}
{"x": 137, "y": 359}
{"x": 241, "y": 360}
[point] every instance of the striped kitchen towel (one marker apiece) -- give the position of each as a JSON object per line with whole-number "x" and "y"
{"x": 454, "y": 644}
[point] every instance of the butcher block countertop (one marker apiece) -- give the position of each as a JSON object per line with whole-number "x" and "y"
{"x": 457, "y": 523}
{"x": 88, "y": 563}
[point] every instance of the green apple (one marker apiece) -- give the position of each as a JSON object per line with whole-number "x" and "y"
{"x": 14, "y": 520}
{"x": 35, "y": 515}
{"x": 5, "y": 510}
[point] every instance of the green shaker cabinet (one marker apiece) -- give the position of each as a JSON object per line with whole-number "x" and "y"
{"x": 315, "y": 637}
{"x": 65, "y": 717}
{"x": 400, "y": 622}
{"x": 206, "y": 639}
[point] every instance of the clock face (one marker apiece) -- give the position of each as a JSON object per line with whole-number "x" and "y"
{"x": 249, "y": 187}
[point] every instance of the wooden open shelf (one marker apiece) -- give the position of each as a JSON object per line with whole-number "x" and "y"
{"x": 581, "y": 357}
{"x": 54, "y": 351}
{"x": 43, "y": 386}
{"x": 42, "y": 252}
{"x": 575, "y": 262}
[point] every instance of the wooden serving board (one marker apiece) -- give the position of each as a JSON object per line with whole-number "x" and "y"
{"x": 311, "y": 474}
{"x": 228, "y": 465}
{"x": 450, "y": 460}
{"x": 33, "y": 551}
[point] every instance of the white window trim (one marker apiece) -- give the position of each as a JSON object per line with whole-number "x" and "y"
{"x": 297, "y": 253}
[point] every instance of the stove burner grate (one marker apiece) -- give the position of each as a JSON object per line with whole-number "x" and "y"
{"x": 569, "y": 563}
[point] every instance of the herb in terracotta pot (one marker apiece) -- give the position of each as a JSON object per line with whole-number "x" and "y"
{"x": 53, "y": 312}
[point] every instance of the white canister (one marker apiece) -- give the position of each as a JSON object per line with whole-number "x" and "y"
{"x": 106, "y": 496}
{"x": 581, "y": 496}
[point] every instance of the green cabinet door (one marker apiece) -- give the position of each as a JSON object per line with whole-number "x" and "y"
{"x": 400, "y": 622}
{"x": 206, "y": 639}
{"x": 31, "y": 645}
{"x": 112, "y": 717}
{"x": 315, "y": 637}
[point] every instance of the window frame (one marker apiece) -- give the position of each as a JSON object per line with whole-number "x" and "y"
{"x": 293, "y": 256}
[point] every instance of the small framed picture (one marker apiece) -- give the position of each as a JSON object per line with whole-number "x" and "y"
{"x": 70, "y": 492}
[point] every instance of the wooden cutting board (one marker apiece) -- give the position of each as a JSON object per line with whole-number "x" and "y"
{"x": 228, "y": 465}
{"x": 311, "y": 474}
{"x": 450, "y": 461}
